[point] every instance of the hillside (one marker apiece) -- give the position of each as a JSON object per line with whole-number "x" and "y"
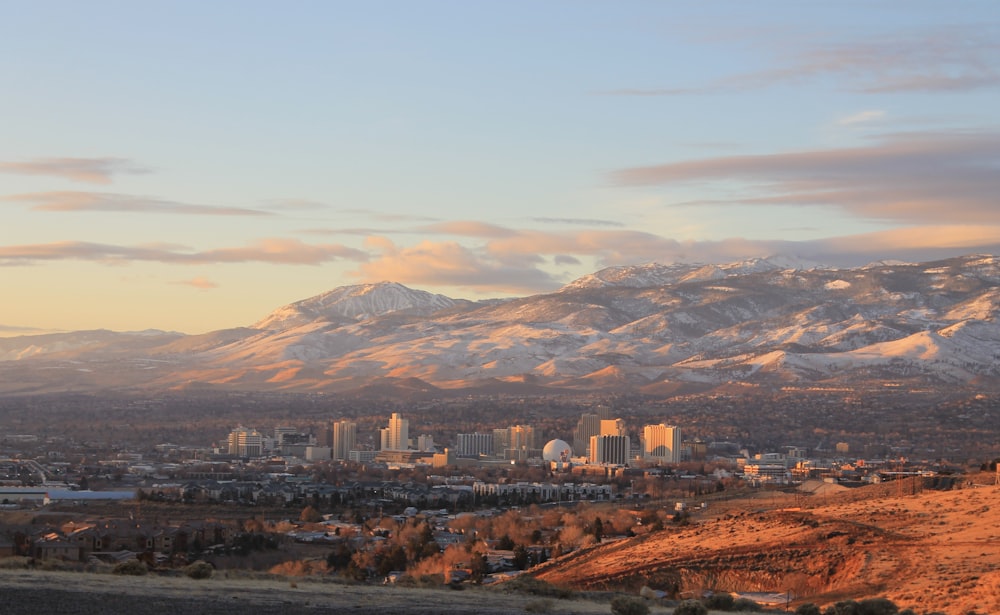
{"x": 934, "y": 551}
{"x": 649, "y": 328}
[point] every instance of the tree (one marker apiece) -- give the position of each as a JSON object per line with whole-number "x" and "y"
{"x": 520, "y": 557}
{"x": 310, "y": 515}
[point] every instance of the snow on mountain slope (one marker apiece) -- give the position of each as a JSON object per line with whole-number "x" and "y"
{"x": 767, "y": 321}
{"x": 355, "y": 303}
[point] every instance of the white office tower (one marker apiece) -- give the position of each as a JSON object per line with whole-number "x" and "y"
{"x": 661, "y": 443}
{"x": 396, "y": 437}
{"x": 610, "y": 450}
{"x": 345, "y": 439}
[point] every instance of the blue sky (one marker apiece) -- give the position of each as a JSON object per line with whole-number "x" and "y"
{"x": 192, "y": 165}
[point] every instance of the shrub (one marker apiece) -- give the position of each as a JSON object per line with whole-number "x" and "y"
{"x": 877, "y": 606}
{"x": 808, "y": 609}
{"x": 15, "y": 562}
{"x": 132, "y": 567}
{"x": 745, "y": 604}
{"x": 527, "y": 584}
{"x": 542, "y": 605}
{"x": 719, "y": 602}
{"x": 690, "y": 607}
{"x": 199, "y": 570}
{"x": 629, "y": 605}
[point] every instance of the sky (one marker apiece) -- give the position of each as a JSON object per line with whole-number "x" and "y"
{"x": 191, "y": 166}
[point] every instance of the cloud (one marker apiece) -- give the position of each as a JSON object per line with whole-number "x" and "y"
{"x": 199, "y": 282}
{"x": 294, "y": 205}
{"x": 451, "y": 264}
{"x": 578, "y": 221}
{"x": 384, "y": 217}
{"x": 11, "y": 330}
{"x": 565, "y": 259}
{"x": 943, "y": 59}
{"x": 102, "y": 201}
{"x": 89, "y": 170}
{"x": 915, "y": 178}
{"x": 273, "y": 251}
{"x": 862, "y": 117}
{"x": 467, "y": 228}
{"x": 518, "y": 264}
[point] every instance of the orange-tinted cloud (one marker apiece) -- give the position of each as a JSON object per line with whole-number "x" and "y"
{"x": 274, "y": 251}
{"x": 89, "y": 170}
{"x": 451, "y": 264}
{"x": 73, "y": 201}
{"x": 199, "y": 282}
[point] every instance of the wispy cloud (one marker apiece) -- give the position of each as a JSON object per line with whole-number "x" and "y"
{"x": 199, "y": 282}
{"x": 11, "y": 330}
{"x": 578, "y": 221}
{"x": 467, "y": 228}
{"x": 944, "y": 59}
{"x": 273, "y": 251}
{"x": 862, "y": 117}
{"x": 294, "y": 205}
{"x": 390, "y": 217}
{"x": 924, "y": 177}
{"x": 76, "y": 201}
{"x": 88, "y": 170}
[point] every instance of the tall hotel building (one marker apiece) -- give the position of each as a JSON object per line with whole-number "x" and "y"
{"x": 396, "y": 437}
{"x": 589, "y": 425}
{"x": 610, "y": 450}
{"x": 661, "y": 443}
{"x": 245, "y": 442}
{"x": 344, "y": 440}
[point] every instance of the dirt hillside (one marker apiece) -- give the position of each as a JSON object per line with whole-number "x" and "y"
{"x": 931, "y": 551}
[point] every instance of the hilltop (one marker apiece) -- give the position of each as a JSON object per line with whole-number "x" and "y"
{"x": 932, "y": 551}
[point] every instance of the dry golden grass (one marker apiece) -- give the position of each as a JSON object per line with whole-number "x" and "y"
{"x": 933, "y": 551}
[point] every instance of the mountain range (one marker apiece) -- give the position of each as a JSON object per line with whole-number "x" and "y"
{"x": 657, "y": 329}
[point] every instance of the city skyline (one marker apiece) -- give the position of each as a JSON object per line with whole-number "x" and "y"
{"x": 191, "y": 167}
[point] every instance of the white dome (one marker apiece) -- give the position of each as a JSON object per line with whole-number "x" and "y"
{"x": 557, "y": 450}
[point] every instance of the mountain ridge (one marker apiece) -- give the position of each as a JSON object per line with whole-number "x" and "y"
{"x": 768, "y": 322}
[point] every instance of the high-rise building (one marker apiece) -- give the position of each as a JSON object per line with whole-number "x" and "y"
{"x": 474, "y": 444}
{"x": 521, "y": 442}
{"x": 425, "y": 442}
{"x": 245, "y": 442}
{"x": 612, "y": 427}
{"x": 501, "y": 441}
{"x": 610, "y": 450}
{"x": 344, "y": 439}
{"x": 661, "y": 443}
{"x": 588, "y": 425}
{"x": 396, "y": 437}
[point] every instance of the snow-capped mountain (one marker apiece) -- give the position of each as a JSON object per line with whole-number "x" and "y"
{"x": 351, "y": 303}
{"x": 768, "y": 322}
